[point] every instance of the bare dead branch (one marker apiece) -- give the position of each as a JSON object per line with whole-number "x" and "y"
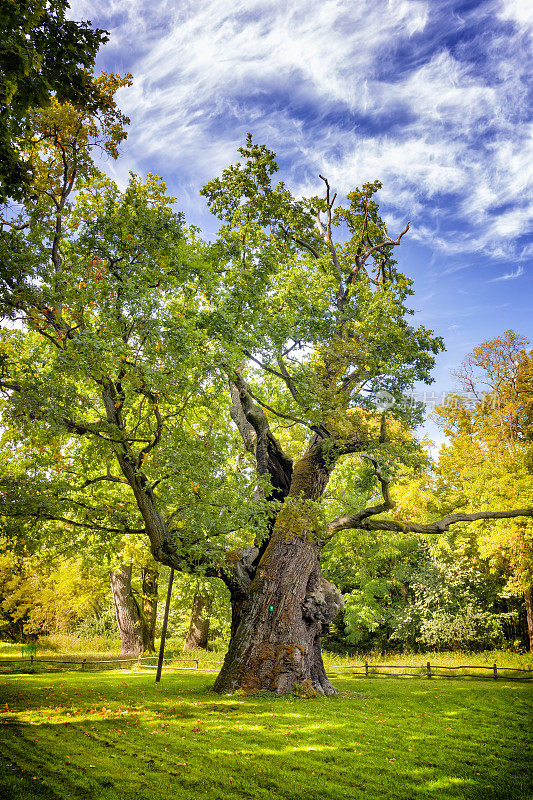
{"x": 389, "y": 243}
{"x": 361, "y": 259}
{"x": 326, "y": 231}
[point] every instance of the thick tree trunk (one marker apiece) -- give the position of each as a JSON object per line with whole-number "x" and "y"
{"x": 136, "y": 626}
{"x": 129, "y": 618}
{"x": 199, "y": 625}
{"x": 529, "y": 617}
{"x": 280, "y": 602}
{"x": 150, "y": 577}
{"x": 276, "y": 645}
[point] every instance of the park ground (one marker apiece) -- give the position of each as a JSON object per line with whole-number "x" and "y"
{"x": 116, "y": 735}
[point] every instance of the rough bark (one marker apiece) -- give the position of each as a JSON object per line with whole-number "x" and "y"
{"x": 280, "y": 603}
{"x": 129, "y": 618}
{"x": 276, "y": 644}
{"x": 258, "y": 439}
{"x": 136, "y": 624}
{"x": 199, "y": 625}
{"x": 237, "y": 574}
{"x": 529, "y": 617}
{"x": 362, "y": 521}
{"x": 150, "y": 577}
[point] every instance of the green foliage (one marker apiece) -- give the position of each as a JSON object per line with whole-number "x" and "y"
{"x": 43, "y": 56}
{"x": 183, "y": 591}
{"x": 453, "y": 605}
{"x": 460, "y": 592}
{"x": 373, "y": 575}
{"x": 36, "y": 599}
{"x": 114, "y": 389}
{"x": 129, "y": 317}
{"x": 119, "y": 300}
{"x": 59, "y": 149}
{"x": 487, "y": 463}
{"x": 100, "y": 625}
{"x": 403, "y": 592}
{"x": 283, "y": 295}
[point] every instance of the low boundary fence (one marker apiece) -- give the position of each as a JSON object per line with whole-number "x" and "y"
{"x": 427, "y": 670}
{"x": 80, "y": 663}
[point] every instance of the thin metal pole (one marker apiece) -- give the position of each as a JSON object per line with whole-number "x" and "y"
{"x": 164, "y": 628}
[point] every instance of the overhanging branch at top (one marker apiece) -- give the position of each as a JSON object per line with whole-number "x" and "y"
{"x": 362, "y": 519}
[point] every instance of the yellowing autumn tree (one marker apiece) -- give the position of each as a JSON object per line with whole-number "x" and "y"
{"x": 489, "y": 459}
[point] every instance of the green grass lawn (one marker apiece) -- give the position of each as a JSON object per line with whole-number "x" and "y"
{"x": 115, "y": 735}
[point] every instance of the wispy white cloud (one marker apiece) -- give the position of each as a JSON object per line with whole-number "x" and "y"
{"x": 509, "y": 276}
{"x": 520, "y": 11}
{"x": 360, "y": 90}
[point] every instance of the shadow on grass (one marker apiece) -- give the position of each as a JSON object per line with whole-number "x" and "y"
{"x": 120, "y": 736}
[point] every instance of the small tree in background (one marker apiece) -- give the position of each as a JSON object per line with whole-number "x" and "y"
{"x": 488, "y": 461}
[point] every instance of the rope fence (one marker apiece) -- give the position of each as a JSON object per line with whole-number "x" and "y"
{"x": 427, "y": 670}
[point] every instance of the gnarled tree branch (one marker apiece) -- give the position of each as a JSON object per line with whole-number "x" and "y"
{"x": 361, "y": 520}
{"x": 439, "y": 526}
{"x": 258, "y": 439}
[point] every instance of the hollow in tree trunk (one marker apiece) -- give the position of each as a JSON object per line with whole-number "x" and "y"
{"x": 199, "y": 624}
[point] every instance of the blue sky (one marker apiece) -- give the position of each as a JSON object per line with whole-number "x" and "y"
{"x": 433, "y": 98}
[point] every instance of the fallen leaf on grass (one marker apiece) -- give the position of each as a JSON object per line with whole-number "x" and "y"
{"x": 179, "y": 764}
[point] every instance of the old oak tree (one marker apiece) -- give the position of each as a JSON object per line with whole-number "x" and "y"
{"x": 133, "y": 331}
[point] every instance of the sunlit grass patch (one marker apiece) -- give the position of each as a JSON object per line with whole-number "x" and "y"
{"x": 63, "y": 644}
{"x": 118, "y": 735}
